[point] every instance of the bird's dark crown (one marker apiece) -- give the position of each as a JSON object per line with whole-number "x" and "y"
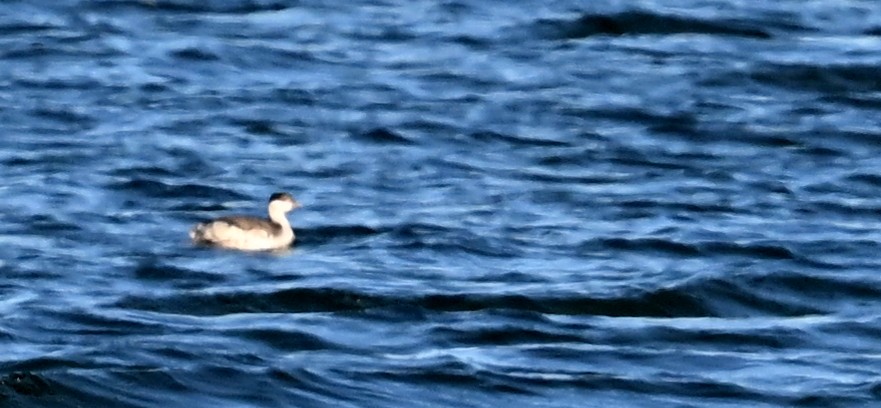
{"x": 281, "y": 197}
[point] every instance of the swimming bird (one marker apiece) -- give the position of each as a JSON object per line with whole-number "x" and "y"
{"x": 250, "y": 233}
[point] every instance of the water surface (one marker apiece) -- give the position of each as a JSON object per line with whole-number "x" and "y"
{"x": 546, "y": 204}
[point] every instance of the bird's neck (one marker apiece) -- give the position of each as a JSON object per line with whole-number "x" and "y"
{"x": 279, "y": 217}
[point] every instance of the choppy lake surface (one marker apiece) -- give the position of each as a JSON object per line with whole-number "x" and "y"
{"x": 540, "y": 204}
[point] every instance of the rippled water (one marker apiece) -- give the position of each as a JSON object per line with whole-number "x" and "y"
{"x": 561, "y": 204}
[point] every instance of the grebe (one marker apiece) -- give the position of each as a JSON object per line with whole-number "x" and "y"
{"x": 250, "y": 233}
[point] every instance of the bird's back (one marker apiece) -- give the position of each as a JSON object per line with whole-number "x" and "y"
{"x": 242, "y": 232}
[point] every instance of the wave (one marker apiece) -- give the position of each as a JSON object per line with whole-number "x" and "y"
{"x": 834, "y": 78}
{"x": 496, "y": 336}
{"x": 532, "y": 381}
{"x": 781, "y": 294}
{"x": 327, "y": 234}
{"x": 191, "y": 6}
{"x": 382, "y": 136}
{"x": 451, "y": 240}
{"x": 159, "y": 189}
{"x": 698, "y": 249}
{"x": 514, "y": 140}
{"x": 194, "y": 54}
{"x": 644, "y": 22}
{"x": 871, "y": 180}
{"x": 285, "y": 340}
{"x": 43, "y": 364}
{"x": 413, "y": 236}
{"x": 24, "y": 383}
{"x": 153, "y": 271}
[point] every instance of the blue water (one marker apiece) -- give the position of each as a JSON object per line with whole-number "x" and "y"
{"x": 535, "y": 204}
